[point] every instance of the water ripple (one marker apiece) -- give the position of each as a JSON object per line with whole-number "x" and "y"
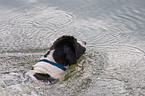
{"x": 114, "y": 63}
{"x": 100, "y": 32}
{"x": 50, "y": 18}
{"x": 23, "y": 29}
{"x": 130, "y": 16}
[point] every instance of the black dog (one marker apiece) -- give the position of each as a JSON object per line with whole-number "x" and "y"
{"x": 63, "y": 53}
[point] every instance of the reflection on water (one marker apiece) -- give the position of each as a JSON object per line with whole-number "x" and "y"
{"x": 114, "y": 31}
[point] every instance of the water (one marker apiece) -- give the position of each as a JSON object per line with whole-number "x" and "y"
{"x": 114, "y": 64}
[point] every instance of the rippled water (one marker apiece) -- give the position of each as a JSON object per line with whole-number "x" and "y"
{"x": 114, "y": 64}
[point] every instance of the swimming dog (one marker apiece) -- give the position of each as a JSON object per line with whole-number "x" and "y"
{"x": 52, "y": 67}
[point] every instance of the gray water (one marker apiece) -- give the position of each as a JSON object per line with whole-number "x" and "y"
{"x": 114, "y": 64}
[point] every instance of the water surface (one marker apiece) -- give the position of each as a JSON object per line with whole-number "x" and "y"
{"x": 114, "y": 64}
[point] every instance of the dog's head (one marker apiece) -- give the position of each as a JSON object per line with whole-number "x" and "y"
{"x": 67, "y": 50}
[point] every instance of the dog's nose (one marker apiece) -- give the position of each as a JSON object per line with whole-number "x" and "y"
{"x": 84, "y": 42}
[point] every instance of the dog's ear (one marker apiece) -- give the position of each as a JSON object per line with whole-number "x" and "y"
{"x": 65, "y": 56}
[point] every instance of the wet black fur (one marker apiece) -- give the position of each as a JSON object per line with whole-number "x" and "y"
{"x": 45, "y": 78}
{"x": 67, "y": 50}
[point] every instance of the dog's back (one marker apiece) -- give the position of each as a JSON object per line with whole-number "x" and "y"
{"x": 63, "y": 53}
